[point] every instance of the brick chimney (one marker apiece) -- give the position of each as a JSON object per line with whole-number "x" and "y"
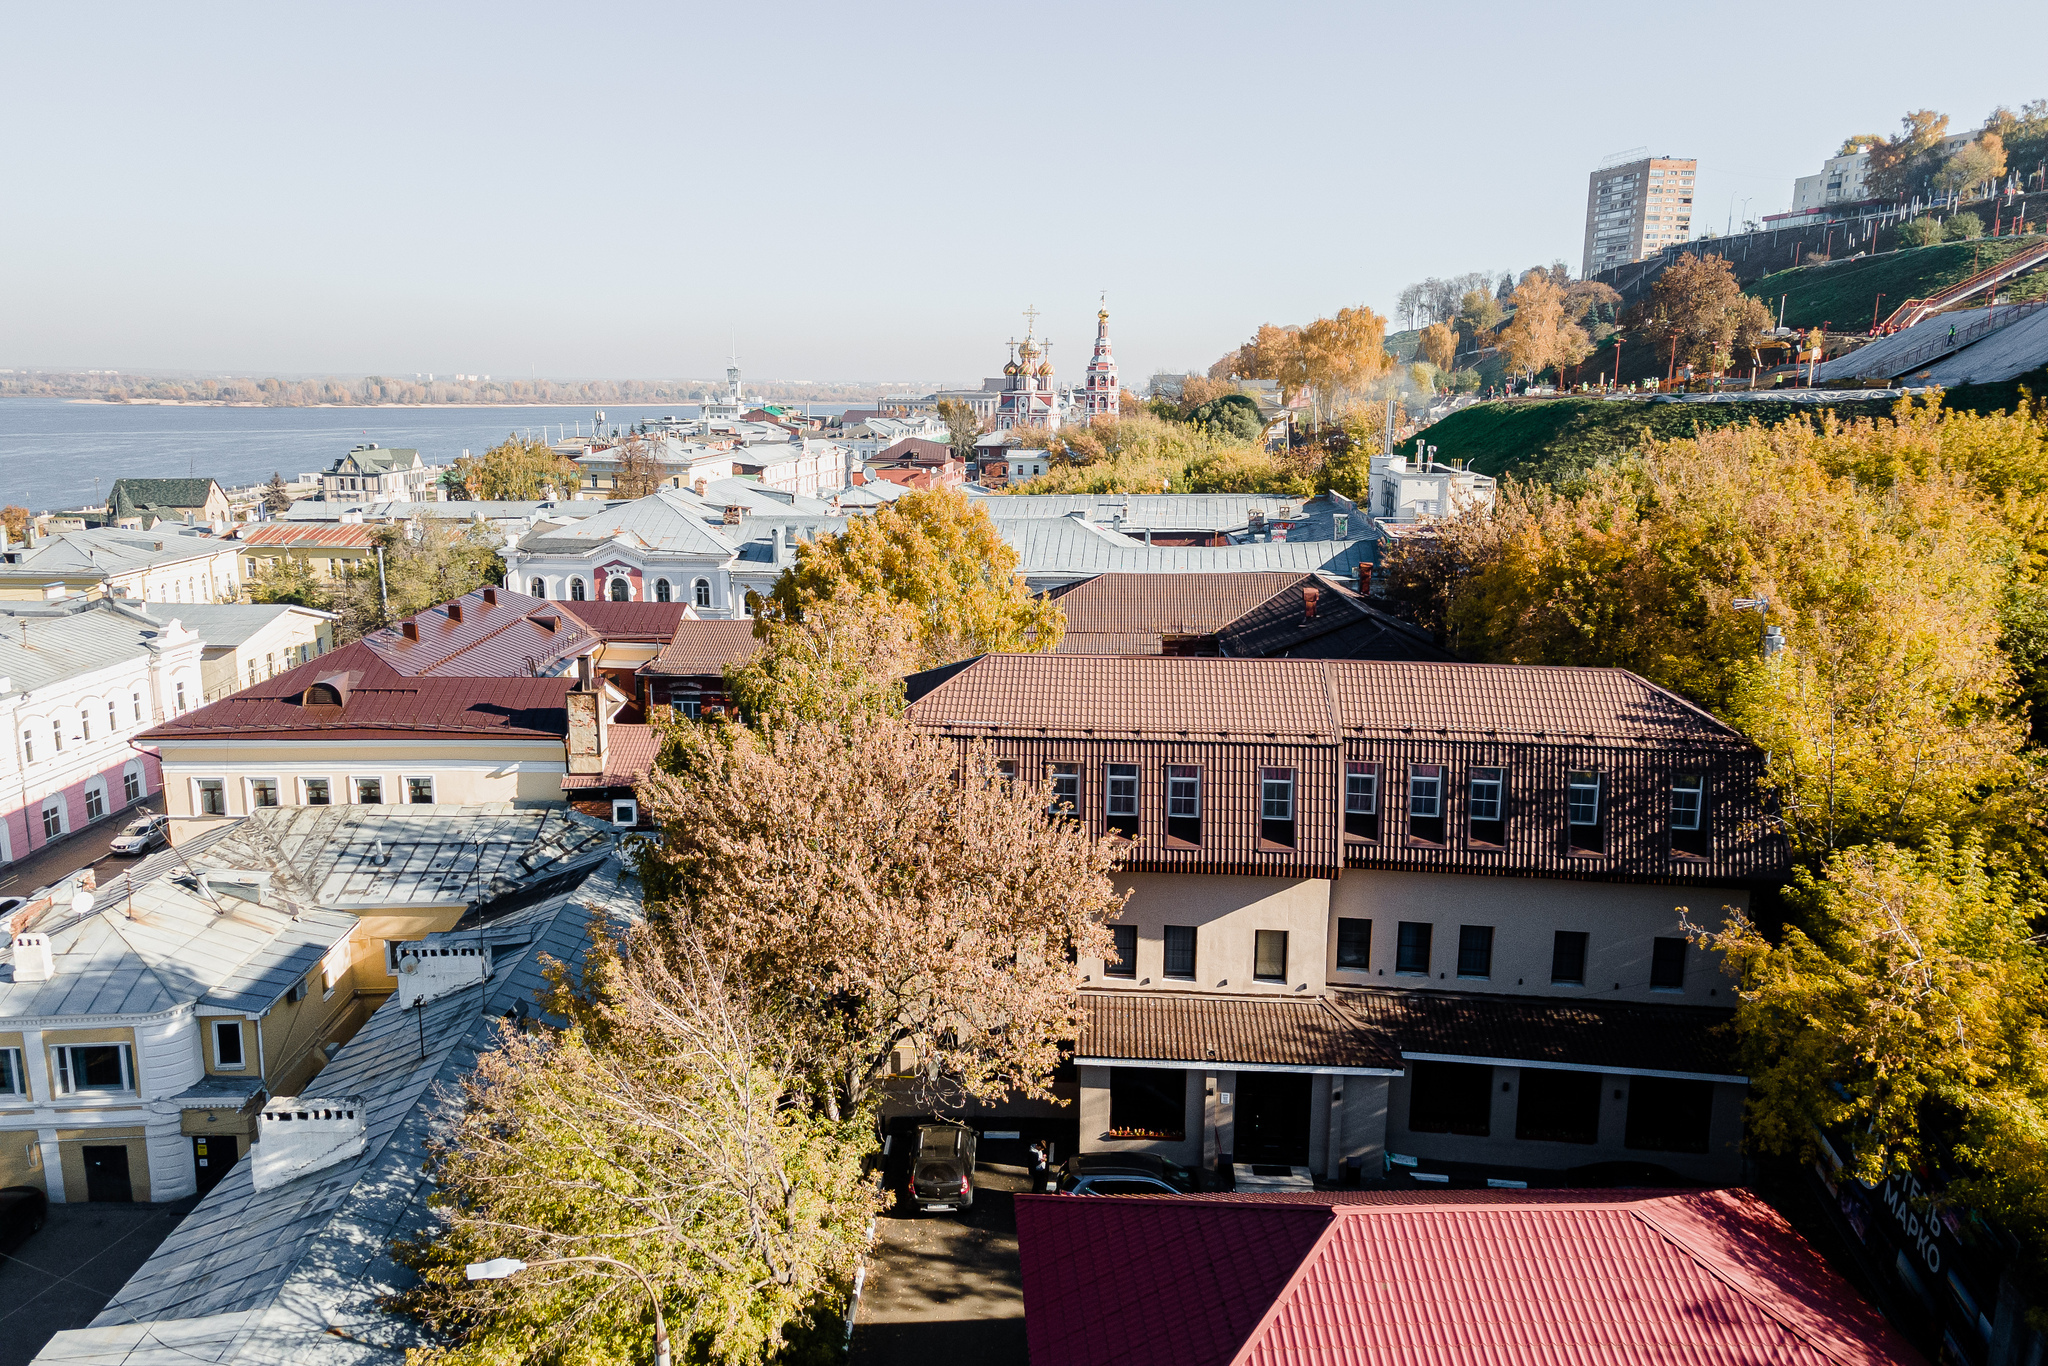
{"x": 301, "y": 1134}
{"x": 586, "y": 720}
{"x": 455, "y": 611}
{"x": 1310, "y": 595}
{"x": 1365, "y": 578}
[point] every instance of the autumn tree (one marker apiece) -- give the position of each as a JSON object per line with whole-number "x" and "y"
{"x": 901, "y": 901}
{"x": 938, "y": 552}
{"x": 1266, "y": 356}
{"x": 442, "y": 560}
{"x": 1901, "y": 1014}
{"x": 842, "y": 662}
{"x": 1899, "y": 165}
{"x": 1438, "y": 345}
{"x": 517, "y": 469}
{"x": 1479, "y": 314}
{"x": 1540, "y": 336}
{"x": 1696, "y": 308}
{"x": 15, "y": 519}
{"x": 639, "y": 468}
{"x": 1338, "y": 356}
{"x": 1973, "y": 163}
{"x": 276, "y": 497}
{"x": 962, "y": 426}
{"x": 647, "y": 1149}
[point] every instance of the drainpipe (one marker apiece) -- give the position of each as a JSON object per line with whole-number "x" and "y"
{"x": 262, "y": 1068}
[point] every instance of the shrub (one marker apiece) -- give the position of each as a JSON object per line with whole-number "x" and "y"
{"x": 1965, "y": 227}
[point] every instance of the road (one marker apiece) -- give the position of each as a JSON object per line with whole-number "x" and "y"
{"x": 65, "y": 1274}
{"x": 946, "y": 1287}
{"x": 52, "y": 863}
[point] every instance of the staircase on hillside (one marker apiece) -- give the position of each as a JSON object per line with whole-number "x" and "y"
{"x": 1914, "y": 310}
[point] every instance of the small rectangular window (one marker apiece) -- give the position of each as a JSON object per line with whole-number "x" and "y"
{"x": 12, "y": 1082}
{"x": 1269, "y": 955}
{"x": 1184, "y": 803}
{"x": 1276, "y": 806}
{"x": 1487, "y": 807}
{"x": 317, "y": 793}
{"x": 213, "y": 799}
{"x": 1475, "y": 950}
{"x": 1006, "y": 769}
{"x": 1123, "y": 955}
{"x": 1426, "y": 803}
{"x": 419, "y": 791}
{"x": 1180, "y": 951}
{"x": 1689, "y": 815}
{"x": 95, "y": 803}
{"x": 1667, "y": 964}
{"x": 87, "y": 1068}
{"x": 1583, "y": 803}
{"x": 1066, "y": 789}
{"x": 227, "y": 1045}
{"x": 1120, "y": 799}
{"x": 369, "y": 791}
{"x": 1354, "y": 943}
{"x": 1362, "y": 801}
{"x": 1411, "y": 949}
{"x": 625, "y": 811}
{"x": 262, "y": 793}
{"x": 131, "y": 787}
{"x": 1568, "y": 959}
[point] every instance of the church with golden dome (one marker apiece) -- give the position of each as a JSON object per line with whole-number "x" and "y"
{"x": 1027, "y": 395}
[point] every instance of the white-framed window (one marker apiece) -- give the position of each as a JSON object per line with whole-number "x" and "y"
{"x": 419, "y": 790}
{"x": 702, "y": 592}
{"x": 85, "y": 721}
{"x": 539, "y": 587}
{"x": 181, "y": 699}
{"x": 135, "y": 701}
{"x": 57, "y": 733}
{"x": 113, "y": 717}
{"x": 368, "y": 791}
{"x": 209, "y": 797}
{"x": 131, "y": 785}
{"x": 1584, "y": 796}
{"x": 1688, "y": 793}
{"x": 28, "y": 746}
{"x": 1425, "y": 791}
{"x": 625, "y": 811}
{"x": 662, "y": 590}
{"x": 227, "y": 1046}
{"x": 89, "y": 1068}
{"x": 95, "y": 802}
{"x": 252, "y": 566}
{"x": 53, "y": 818}
{"x": 262, "y": 793}
{"x": 316, "y": 792}
{"x": 13, "y": 1082}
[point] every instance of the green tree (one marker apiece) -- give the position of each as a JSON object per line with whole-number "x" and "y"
{"x": 1964, "y": 227}
{"x": 276, "y": 497}
{"x": 288, "y": 580}
{"x": 939, "y": 553}
{"x": 962, "y": 426}
{"x": 1233, "y": 416}
{"x": 441, "y": 561}
{"x": 647, "y": 1147}
{"x": 841, "y": 662}
{"x": 517, "y": 469}
{"x": 1973, "y": 163}
{"x": 1901, "y": 1013}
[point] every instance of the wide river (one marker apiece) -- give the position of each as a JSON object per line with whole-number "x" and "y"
{"x": 58, "y": 454}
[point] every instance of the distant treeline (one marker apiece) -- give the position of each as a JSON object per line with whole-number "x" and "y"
{"x": 375, "y": 389}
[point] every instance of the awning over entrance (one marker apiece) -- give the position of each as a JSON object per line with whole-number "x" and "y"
{"x": 1545, "y": 1032}
{"x": 1188, "y": 1029}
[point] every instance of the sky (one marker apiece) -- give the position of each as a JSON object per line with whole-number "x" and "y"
{"x": 872, "y": 191}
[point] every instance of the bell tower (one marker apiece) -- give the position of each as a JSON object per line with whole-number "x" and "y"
{"x": 1104, "y": 397}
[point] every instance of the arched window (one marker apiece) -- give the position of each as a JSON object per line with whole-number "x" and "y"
{"x": 622, "y": 591}
{"x": 661, "y": 590}
{"x": 703, "y": 592}
{"x": 576, "y": 590}
{"x": 540, "y": 588}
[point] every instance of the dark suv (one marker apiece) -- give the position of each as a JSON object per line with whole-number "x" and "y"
{"x": 1125, "y": 1174}
{"x": 942, "y": 1168}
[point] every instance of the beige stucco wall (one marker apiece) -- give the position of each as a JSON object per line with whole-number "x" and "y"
{"x": 72, "y": 1144}
{"x": 1619, "y": 920}
{"x": 1226, "y": 912}
{"x": 464, "y": 772}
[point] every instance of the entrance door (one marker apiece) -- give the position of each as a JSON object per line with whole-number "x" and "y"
{"x": 106, "y": 1174}
{"x": 1272, "y": 1118}
{"x": 212, "y": 1155}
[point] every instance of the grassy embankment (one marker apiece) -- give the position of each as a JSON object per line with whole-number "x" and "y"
{"x": 1844, "y": 294}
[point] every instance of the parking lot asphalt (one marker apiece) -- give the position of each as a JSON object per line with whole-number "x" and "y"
{"x": 67, "y": 1271}
{"x": 946, "y": 1286}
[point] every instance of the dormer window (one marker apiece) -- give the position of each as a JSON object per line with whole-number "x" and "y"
{"x": 1362, "y": 801}
{"x": 1426, "y": 804}
{"x": 1689, "y": 815}
{"x": 1583, "y": 806}
{"x": 322, "y": 695}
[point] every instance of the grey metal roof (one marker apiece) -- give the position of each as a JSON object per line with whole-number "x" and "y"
{"x": 1054, "y": 550}
{"x": 38, "y": 649}
{"x": 223, "y": 625}
{"x": 309, "y": 1262}
{"x": 110, "y": 550}
{"x": 661, "y": 521}
{"x": 1159, "y": 511}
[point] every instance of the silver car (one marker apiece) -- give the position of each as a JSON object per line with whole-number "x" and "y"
{"x": 143, "y": 835}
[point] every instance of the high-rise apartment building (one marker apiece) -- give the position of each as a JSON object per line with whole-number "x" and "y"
{"x": 1635, "y": 208}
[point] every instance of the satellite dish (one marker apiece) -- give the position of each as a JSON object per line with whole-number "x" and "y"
{"x": 409, "y": 963}
{"x": 82, "y": 903}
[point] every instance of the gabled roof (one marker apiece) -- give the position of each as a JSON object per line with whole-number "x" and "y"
{"x": 111, "y": 550}
{"x": 503, "y": 636}
{"x": 223, "y": 625}
{"x": 660, "y": 521}
{"x": 130, "y": 496}
{"x": 381, "y": 703}
{"x": 629, "y": 755}
{"x": 1054, "y": 548}
{"x": 378, "y": 459}
{"x": 636, "y": 621}
{"x": 1714, "y": 1278}
{"x": 701, "y": 648}
{"x": 1167, "y": 604}
{"x": 1192, "y": 1027}
{"x": 44, "y": 646}
{"x": 1208, "y": 699}
{"x": 348, "y": 535}
{"x": 1345, "y": 626}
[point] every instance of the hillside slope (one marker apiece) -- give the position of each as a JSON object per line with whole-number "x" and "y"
{"x": 1844, "y": 294}
{"x": 1552, "y": 439}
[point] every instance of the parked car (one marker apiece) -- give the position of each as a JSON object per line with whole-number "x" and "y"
{"x": 10, "y": 904}
{"x": 22, "y": 1211}
{"x": 141, "y": 836}
{"x": 1125, "y": 1174}
{"x": 942, "y": 1168}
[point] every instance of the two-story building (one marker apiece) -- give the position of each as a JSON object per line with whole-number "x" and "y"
{"x": 140, "y": 1032}
{"x": 328, "y": 550}
{"x": 140, "y": 504}
{"x": 373, "y": 471}
{"x": 1393, "y": 912}
{"x": 169, "y": 564}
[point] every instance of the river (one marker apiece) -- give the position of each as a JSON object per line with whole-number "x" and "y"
{"x": 59, "y": 454}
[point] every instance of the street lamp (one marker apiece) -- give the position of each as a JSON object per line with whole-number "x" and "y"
{"x": 498, "y": 1268}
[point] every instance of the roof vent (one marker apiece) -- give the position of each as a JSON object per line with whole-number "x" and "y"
{"x": 33, "y": 961}
{"x": 546, "y": 622}
{"x": 490, "y": 597}
{"x": 409, "y": 629}
{"x": 301, "y": 1134}
{"x": 454, "y": 610}
{"x": 328, "y": 690}
{"x": 1309, "y": 596}
{"x": 242, "y": 884}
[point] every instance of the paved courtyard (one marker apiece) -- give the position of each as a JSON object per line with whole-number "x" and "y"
{"x": 945, "y": 1287}
{"x": 66, "y": 1272}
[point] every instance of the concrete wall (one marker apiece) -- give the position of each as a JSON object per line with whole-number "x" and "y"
{"x": 1226, "y": 912}
{"x": 1619, "y": 920}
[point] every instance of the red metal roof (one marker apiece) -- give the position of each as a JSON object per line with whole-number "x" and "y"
{"x": 352, "y": 535}
{"x": 1704, "y": 1278}
{"x": 628, "y": 620}
{"x": 501, "y": 639}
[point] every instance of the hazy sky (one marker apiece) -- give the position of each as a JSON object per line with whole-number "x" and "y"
{"x": 869, "y": 190}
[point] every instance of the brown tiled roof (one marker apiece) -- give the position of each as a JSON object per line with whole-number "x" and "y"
{"x": 1545, "y": 1029}
{"x": 915, "y": 450}
{"x": 628, "y": 757}
{"x": 1169, "y": 604}
{"x": 382, "y": 704}
{"x": 350, "y": 535}
{"x": 1202, "y": 698}
{"x": 1181, "y": 1026}
{"x": 703, "y": 648}
{"x": 1109, "y": 643}
{"x": 628, "y": 620}
{"x": 504, "y": 639}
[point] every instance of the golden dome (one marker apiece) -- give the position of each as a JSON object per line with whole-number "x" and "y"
{"x": 1045, "y": 369}
{"x": 1010, "y": 368}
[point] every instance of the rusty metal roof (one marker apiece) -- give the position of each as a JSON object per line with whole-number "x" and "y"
{"x": 1168, "y": 604}
{"x": 494, "y": 639}
{"x": 628, "y": 757}
{"x": 628, "y": 620}
{"x": 351, "y": 535}
{"x": 701, "y": 648}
